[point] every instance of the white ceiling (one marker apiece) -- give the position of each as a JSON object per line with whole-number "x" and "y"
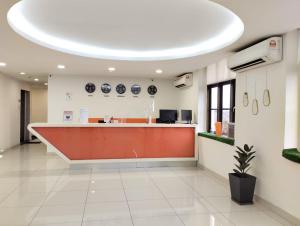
{"x": 262, "y": 18}
{"x": 135, "y": 30}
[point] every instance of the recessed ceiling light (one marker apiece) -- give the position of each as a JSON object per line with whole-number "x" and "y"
{"x": 22, "y": 73}
{"x": 159, "y": 71}
{"x": 45, "y": 83}
{"x": 36, "y": 79}
{"x": 111, "y": 69}
{"x": 2, "y": 64}
{"x": 60, "y": 66}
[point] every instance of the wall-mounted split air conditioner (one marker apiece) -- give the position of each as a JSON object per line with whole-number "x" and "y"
{"x": 184, "y": 80}
{"x": 266, "y": 52}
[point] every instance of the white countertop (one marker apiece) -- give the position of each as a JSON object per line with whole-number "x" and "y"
{"x": 125, "y": 125}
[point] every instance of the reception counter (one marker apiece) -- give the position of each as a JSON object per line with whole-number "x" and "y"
{"x": 93, "y": 142}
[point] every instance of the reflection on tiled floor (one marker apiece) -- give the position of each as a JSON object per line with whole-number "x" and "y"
{"x": 39, "y": 189}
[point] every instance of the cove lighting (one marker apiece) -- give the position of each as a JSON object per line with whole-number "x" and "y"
{"x": 2, "y": 64}
{"x": 226, "y": 36}
{"x": 60, "y": 66}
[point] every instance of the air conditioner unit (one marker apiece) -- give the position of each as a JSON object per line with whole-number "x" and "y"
{"x": 263, "y": 53}
{"x": 184, "y": 80}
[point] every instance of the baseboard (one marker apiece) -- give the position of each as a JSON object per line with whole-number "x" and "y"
{"x": 282, "y": 213}
{"x": 9, "y": 148}
{"x": 120, "y": 165}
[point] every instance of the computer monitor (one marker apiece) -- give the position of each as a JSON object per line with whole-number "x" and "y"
{"x": 186, "y": 115}
{"x": 167, "y": 116}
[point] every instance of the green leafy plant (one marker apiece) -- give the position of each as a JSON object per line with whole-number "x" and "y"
{"x": 244, "y": 157}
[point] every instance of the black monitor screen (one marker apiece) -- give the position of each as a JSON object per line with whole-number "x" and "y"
{"x": 168, "y": 116}
{"x": 186, "y": 115}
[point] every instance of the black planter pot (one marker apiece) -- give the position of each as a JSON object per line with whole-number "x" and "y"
{"x": 242, "y": 188}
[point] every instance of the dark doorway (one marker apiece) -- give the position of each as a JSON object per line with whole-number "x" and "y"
{"x": 25, "y": 117}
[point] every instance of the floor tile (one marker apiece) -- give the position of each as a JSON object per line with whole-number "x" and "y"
{"x": 59, "y": 214}
{"x": 148, "y": 208}
{"x": 278, "y": 218}
{"x": 59, "y": 224}
{"x": 106, "y": 195}
{"x": 66, "y": 198}
{"x": 179, "y": 191}
{"x": 225, "y": 205}
{"x": 105, "y": 183}
{"x": 158, "y": 221}
{"x": 84, "y": 174}
{"x": 49, "y": 172}
{"x": 7, "y": 188}
{"x": 205, "y": 220}
{"x": 188, "y": 171}
{"x": 3, "y": 197}
{"x": 169, "y": 181}
{"x": 138, "y": 183}
{"x": 44, "y": 179}
{"x": 40, "y": 187}
{"x": 208, "y": 187}
{"x": 191, "y": 205}
{"x": 12, "y": 180}
{"x": 71, "y": 185}
{"x": 18, "y": 199}
{"x": 160, "y": 172}
{"x": 212, "y": 190}
{"x": 251, "y": 219}
{"x": 106, "y": 211}
{"x": 17, "y": 216}
{"x": 133, "y": 173}
{"x": 117, "y": 222}
{"x": 105, "y": 174}
{"x": 143, "y": 194}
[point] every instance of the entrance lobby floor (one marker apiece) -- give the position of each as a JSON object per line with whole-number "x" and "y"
{"x": 39, "y": 189}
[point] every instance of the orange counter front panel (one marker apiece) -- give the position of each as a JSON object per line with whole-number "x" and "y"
{"x": 90, "y": 143}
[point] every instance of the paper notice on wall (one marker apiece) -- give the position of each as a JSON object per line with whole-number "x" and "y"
{"x": 68, "y": 116}
{"x": 84, "y": 116}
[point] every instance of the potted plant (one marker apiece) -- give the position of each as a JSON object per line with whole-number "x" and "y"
{"x": 242, "y": 185}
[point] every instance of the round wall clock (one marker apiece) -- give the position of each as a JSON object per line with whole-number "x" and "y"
{"x": 90, "y": 87}
{"x": 136, "y": 89}
{"x": 121, "y": 89}
{"x": 105, "y": 88}
{"x": 152, "y": 90}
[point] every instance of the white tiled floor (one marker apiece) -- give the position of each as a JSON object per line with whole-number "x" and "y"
{"x": 39, "y": 189}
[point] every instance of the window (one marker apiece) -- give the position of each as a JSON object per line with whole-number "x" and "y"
{"x": 220, "y": 103}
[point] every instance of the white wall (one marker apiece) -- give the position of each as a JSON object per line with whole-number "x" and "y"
{"x": 277, "y": 177}
{"x": 38, "y": 104}
{"x": 99, "y": 106}
{"x": 10, "y": 90}
{"x": 188, "y": 97}
{"x": 191, "y": 98}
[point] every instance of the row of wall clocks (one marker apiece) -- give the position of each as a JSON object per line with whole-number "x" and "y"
{"x": 120, "y": 88}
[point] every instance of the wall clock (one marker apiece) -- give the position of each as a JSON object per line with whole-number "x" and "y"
{"x": 90, "y": 87}
{"x": 152, "y": 90}
{"x": 121, "y": 89}
{"x": 136, "y": 89}
{"x": 105, "y": 88}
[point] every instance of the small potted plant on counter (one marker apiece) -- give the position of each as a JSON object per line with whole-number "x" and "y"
{"x": 242, "y": 185}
